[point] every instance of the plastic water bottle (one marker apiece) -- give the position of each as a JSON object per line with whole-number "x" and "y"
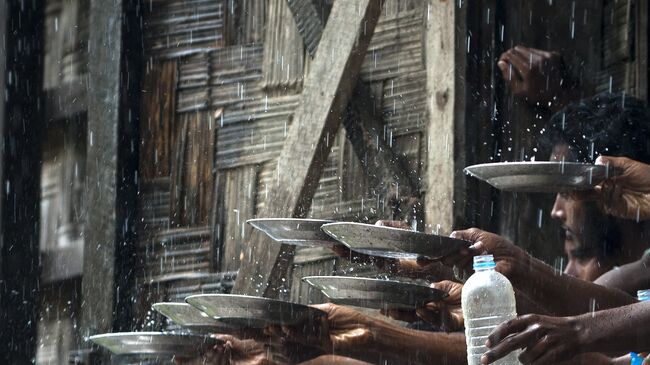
{"x": 487, "y": 301}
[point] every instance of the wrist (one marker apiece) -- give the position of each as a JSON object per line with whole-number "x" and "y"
{"x": 583, "y": 333}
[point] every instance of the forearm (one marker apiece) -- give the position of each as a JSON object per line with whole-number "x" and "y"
{"x": 419, "y": 346}
{"x": 628, "y": 278}
{"x": 616, "y": 330}
{"x": 525, "y": 305}
{"x": 563, "y": 295}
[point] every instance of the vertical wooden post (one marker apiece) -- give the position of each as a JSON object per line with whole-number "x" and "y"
{"x": 445, "y": 57}
{"x": 111, "y": 166}
{"x": 21, "y": 122}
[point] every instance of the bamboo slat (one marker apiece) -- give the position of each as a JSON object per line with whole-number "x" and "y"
{"x": 173, "y": 28}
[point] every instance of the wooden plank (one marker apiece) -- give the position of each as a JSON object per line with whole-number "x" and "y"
{"x": 310, "y": 17}
{"x": 110, "y": 195}
{"x": 21, "y": 51}
{"x": 445, "y": 63}
{"x": 327, "y": 90}
{"x": 387, "y": 172}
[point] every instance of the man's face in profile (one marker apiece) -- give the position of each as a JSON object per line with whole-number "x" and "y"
{"x": 584, "y": 228}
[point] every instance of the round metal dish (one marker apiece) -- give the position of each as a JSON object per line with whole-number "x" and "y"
{"x": 293, "y": 231}
{"x": 252, "y": 312}
{"x": 392, "y": 242}
{"x": 191, "y": 318}
{"x": 374, "y": 293}
{"x": 153, "y": 343}
{"x": 539, "y": 176}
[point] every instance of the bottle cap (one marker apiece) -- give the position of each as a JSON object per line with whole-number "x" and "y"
{"x": 484, "y": 262}
{"x": 643, "y": 295}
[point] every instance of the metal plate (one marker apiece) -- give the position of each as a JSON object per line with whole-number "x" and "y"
{"x": 392, "y": 242}
{"x": 539, "y": 176}
{"x": 191, "y": 318}
{"x": 374, "y": 293}
{"x": 252, "y": 312}
{"x": 153, "y": 343}
{"x": 293, "y": 231}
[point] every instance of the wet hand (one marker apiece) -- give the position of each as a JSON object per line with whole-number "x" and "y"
{"x": 341, "y": 329}
{"x": 545, "y": 340}
{"x": 626, "y": 195}
{"x": 234, "y": 351}
{"x": 510, "y": 260}
{"x": 447, "y": 313}
{"x": 536, "y": 75}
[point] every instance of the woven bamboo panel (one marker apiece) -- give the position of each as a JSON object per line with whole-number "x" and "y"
{"x": 236, "y": 189}
{"x": 224, "y": 77}
{"x": 396, "y": 47}
{"x": 192, "y": 170}
{"x": 284, "y": 53}
{"x": 174, "y": 28}
{"x": 158, "y": 108}
{"x": 254, "y": 134}
{"x": 245, "y": 23}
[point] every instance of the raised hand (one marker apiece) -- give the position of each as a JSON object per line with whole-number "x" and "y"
{"x": 545, "y": 340}
{"x": 627, "y": 193}
{"x": 538, "y": 76}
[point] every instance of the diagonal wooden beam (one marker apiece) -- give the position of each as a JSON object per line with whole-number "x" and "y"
{"x": 310, "y": 17}
{"x": 388, "y": 172}
{"x": 326, "y": 93}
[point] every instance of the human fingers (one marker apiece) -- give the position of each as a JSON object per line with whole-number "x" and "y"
{"x": 432, "y": 315}
{"x": 539, "y": 52}
{"x": 523, "y": 339}
{"x": 520, "y": 62}
{"x": 510, "y": 327}
{"x": 404, "y": 315}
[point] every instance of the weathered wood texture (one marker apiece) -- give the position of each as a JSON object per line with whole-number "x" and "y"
{"x": 326, "y": 92}
{"x": 284, "y": 53}
{"x": 236, "y": 187}
{"x": 21, "y": 33}
{"x": 445, "y": 60}
{"x": 157, "y": 123}
{"x": 310, "y": 17}
{"x": 175, "y": 28}
{"x": 245, "y": 21}
{"x": 110, "y": 193}
{"x": 66, "y": 35}
{"x": 192, "y": 170}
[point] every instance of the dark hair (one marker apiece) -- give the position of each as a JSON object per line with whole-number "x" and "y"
{"x": 605, "y": 124}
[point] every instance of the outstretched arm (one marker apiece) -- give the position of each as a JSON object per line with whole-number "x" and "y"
{"x": 559, "y": 294}
{"x": 551, "y": 339}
